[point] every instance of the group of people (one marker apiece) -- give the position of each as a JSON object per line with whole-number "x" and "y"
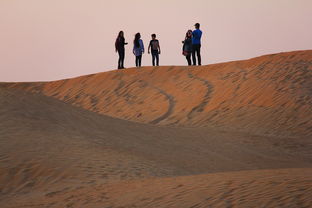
{"x": 191, "y": 47}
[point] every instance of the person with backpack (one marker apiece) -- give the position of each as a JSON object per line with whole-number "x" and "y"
{"x": 138, "y": 49}
{"x": 154, "y": 45}
{"x": 188, "y": 47}
{"x": 120, "y": 48}
{"x": 197, "y": 33}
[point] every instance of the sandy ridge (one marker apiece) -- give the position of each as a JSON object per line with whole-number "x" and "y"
{"x": 278, "y": 84}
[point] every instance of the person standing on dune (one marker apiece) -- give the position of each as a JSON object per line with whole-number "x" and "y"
{"x": 154, "y": 45}
{"x": 138, "y": 49}
{"x": 187, "y": 47}
{"x": 197, "y": 33}
{"x": 120, "y": 48}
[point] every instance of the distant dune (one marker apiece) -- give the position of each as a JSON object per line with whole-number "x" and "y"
{"x": 235, "y": 134}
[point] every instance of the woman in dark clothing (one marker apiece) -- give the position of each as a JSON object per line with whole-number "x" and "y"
{"x": 187, "y": 47}
{"x": 120, "y": 48}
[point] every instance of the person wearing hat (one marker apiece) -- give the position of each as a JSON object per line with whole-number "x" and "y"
{"x": 197, "y": 33}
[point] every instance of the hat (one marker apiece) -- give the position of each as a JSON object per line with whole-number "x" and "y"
{"x": 197, "y": 25}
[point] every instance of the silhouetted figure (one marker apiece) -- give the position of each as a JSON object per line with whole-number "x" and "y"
{"x": 120, "y": 48}
{"x": 188, "y": 47}
{"x": 154, "y": 45}
{"x": 197, "y": 33}
{"x": 138, "y": 49}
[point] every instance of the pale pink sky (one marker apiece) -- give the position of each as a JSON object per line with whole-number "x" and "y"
{"x": 43, "y": 40}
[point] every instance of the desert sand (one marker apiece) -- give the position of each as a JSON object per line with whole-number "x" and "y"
{"x": 236, "y": 134}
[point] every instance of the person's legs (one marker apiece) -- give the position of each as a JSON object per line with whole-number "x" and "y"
{"x": 196, "y": 51}
{"x": 193, "y": 55}
{"x": 198, "y": 55}
{"x": 157, "y": 58}
{"x": 137, "y": 61}
{"x": 153, "y": 58}
{"x": 119, "y": 59}
{"x": 188, "y": 58}
{"x": 140, "y": 60}
{"x": 123, "y": 59}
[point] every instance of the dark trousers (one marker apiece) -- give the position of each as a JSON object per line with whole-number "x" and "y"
{"x": 196, "y": 51}
{"x": 188, "y": 58}
{"x": 155, "y": 55}
{"x": 138, "y": 60}
{"x": 121, "y": 59}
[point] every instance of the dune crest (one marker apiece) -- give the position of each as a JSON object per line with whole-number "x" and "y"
{"x": 265, "y": 95}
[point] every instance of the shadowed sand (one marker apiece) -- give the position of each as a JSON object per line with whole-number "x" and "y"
{"x": 236, "y": 134}
{"x": 262, "y": 188}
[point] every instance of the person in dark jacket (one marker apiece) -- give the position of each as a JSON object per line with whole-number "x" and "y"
{"x": 120, "y": 48}
{"x": 188, "y": 47}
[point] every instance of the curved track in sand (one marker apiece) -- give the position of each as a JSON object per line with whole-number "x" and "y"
{"x": 171, "y": 104}
{"x": 207, "y": 97}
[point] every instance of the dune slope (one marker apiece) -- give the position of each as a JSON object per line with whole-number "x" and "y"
{"x": 57, "y": 155}
{"x": 236, "y": 134}
{"x": 268, "y": 95}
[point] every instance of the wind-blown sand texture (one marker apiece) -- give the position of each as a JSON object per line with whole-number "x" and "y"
{"x": 235, "y": 134}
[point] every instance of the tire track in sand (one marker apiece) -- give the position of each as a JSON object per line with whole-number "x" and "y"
{"x": 171, "y": 106}
{"x": 210, "y": 89}
{"x": 171, "y": 102}
{"x": 170, "y": 98}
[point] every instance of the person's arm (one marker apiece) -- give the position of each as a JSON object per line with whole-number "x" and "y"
{"x": 133, "y": 51}
{"x": 124, "y": 42}
{"x": 149, "y": 47}
{"x": 158, "y": 48}
{"x": 195, "y": 34}
{"x": 142, "y": 46}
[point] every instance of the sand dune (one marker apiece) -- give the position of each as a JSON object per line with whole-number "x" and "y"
{"x": 266, "y": 95}
{"x": 236, "y": 134}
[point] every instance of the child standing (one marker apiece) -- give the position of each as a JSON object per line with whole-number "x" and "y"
{"x": 138, "y": 49}
{"x": 154, "y": 45}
